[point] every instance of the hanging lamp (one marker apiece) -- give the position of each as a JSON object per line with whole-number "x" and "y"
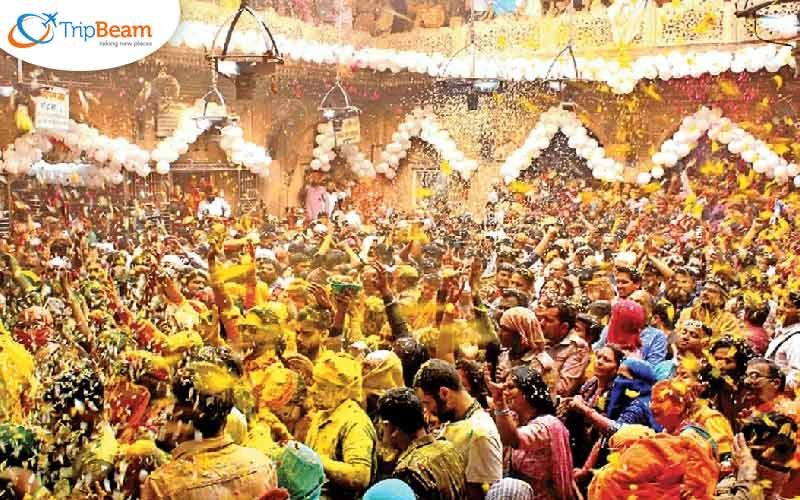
{"x": 244, "y": 68}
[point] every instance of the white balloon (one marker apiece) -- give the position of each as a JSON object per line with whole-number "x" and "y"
{"x": 390, "y": 174}
{"x": 326, "y": 167}
{"x": 315, "y": 164}
{"x": 657, "y": 172}
{"x": 797, "y": 181}
{"x": 643, "y": 178}
{"x": 162, "y": 167}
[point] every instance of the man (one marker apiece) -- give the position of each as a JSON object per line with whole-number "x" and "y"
{"x": 340, "y": 432}
{"x": 431, "y": 466}
{"x": 465, "y": 424}
{"x": 764, "y": 385}
{"x": 785, "y": 347}
{"x": 709, "y": 310}
{"x": 567, "y": 348}
{"x": 681, "y": 288}
{"x": 628, "y": 281}
{"x": 691, "y": 340}
{"x": 312, "y": 326}
{"x": 212, "y": 466}
{"x": 653, "y": 341}
{"x": 213, "y": 206}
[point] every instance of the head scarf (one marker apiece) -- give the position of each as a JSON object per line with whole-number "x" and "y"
{"x": 300, "y": 471}
{"x": 341, "y": 374}
{"x": 629, "y": 433}
{"x": 626, "y": 390}
{"x": 523, "y": 321}
{"x": 386, "y": 373}
{"x": 510, "y": 489}
{"x": 627, "y": 321}
{"x": 390, "y": 489}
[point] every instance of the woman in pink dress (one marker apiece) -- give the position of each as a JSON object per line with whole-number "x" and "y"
{"x": 539, "y": 442}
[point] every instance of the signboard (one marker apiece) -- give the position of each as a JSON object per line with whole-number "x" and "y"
{"x": 52, "y": 109}
{"x": 348, "y": 131}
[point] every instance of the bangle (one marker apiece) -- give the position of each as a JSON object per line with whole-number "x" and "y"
{"x": 502, "y": 412}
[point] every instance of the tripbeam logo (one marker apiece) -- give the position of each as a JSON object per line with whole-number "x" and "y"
{"x": 33, "y": 29}
{"x": 88, "y": 35}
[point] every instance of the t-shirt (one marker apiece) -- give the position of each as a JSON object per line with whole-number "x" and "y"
{"x": 477, "y": 439}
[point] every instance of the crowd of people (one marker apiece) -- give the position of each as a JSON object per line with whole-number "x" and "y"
{"x": 580, "y": 340}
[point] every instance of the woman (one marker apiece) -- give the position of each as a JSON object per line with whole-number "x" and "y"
{"x": 523, "y": 345}
{"x": 539, "y": 441}
{"x": 595, "y": 392}
{"x": 672, "y": 404}
{"x": 628, "y": 402}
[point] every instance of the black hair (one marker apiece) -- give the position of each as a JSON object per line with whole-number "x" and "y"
{"x": 756, "y": 314}
{"x": 634, "y": 274}
{"x": 521, "y": 297}
{"x": 80, "y": 383}
{"x": 566, "y": 312}
{"x": 412, "y": 355}
{"x": 661, "y": 310}
{"x": 401, "y": 407}
{"x": 209, "y": 411}
{"x": 474, "y": 372}
{"x": 534, "y": 389}
{"x": 505, "y": 266}
{"x": 771, "y": 437}
{"x": 775, "y": 372}
{"x": 435, "y": 374}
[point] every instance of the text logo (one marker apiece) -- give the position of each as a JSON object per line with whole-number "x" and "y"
{"x": 88, "y": 35}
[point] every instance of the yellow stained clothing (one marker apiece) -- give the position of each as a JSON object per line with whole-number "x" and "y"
{"x": 345, "y": 439}
{"x": 213, "y": 468}
{"x": 716, "y": 424}
{"x": 721, "y": 322}
{"x": 237, "y": 291}
{"x": 16, "y": 379}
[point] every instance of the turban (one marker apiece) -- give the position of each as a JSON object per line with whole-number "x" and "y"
{"x": 341, "y": 372}
{"x": 386, "y": 373}
{"x": 300, "y": 471}
{"x": 523, "y": 321}
{"x": 626, "y": 324}
{"x": 390, "y": 489}
{"x": 278, "y": 387}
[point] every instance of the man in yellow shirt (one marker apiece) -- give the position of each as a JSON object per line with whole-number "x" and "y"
{"x": 340, "y": 431}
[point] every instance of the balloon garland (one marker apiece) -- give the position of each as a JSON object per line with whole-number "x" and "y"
{"x": 419, "y": 124}
{"x": 110, "y": 156}
{"x": 550, "y": 122}
{"x": 719, "y": 128}
{"x": 621, "y": 79}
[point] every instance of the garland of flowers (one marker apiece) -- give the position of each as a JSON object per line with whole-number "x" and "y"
{"x": 550, "y": 122}
{"x": 721, "y": 129}
{"x": 621, "y": 79}
{"x": 419, "y": 124}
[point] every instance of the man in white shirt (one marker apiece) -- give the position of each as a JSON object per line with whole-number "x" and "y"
{"x": 784, "y": 349}
{"x": 213, "y": 206}
{"x": 464, "y": 423}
